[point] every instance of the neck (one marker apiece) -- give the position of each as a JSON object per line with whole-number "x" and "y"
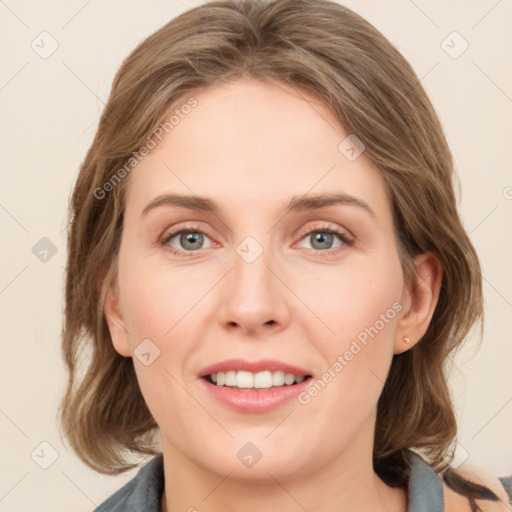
{"x": 346, "y": 482}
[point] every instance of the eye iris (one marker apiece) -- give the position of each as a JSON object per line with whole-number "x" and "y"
{"x": 321, "y": 237}
{"x": 190, "y": 237}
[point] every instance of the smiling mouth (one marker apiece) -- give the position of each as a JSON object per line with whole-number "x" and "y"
{"x": 276, "y": 382}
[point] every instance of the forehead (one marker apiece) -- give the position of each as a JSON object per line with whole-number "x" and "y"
{"x": 249, "y": 142}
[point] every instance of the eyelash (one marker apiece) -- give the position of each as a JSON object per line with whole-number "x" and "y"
{"x": 349, "y": 242}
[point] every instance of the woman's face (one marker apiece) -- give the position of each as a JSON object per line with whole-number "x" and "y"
{"x": 256, "y": 280}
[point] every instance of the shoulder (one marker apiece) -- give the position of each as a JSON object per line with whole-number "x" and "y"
{"x": 455, "y": 502}
{"x": 142, "y": 492}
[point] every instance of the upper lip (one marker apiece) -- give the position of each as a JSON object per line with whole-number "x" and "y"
{"x": 253, "y": 366}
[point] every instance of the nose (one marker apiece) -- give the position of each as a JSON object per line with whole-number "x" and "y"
{"x": 254, "y": 297}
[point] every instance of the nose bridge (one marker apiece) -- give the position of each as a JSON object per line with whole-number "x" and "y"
{"x": 254, "y": 296}
{"x": 252, "y": 278}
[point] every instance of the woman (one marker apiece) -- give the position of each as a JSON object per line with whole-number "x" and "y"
{"x": 278, "y": 371}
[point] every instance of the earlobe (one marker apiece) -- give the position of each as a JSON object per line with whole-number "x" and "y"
{"x": 115, "y": 321}
{"x": 420, "y": 302}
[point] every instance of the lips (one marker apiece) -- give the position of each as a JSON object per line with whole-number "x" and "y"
{"x": 254, "y": 366}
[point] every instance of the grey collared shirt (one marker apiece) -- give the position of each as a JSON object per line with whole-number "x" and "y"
{"x": 144, "y": 492}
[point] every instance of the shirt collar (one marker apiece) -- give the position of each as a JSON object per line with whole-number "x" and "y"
{"x": 425, "y": 487}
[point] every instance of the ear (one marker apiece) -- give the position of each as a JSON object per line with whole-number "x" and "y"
{"x": 115, "y": 321}
{"x": 419, "y": 303}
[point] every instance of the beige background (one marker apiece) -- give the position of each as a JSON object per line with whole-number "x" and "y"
{"x": 50, "y": 109}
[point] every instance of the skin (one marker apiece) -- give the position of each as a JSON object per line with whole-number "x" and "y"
{"x": 250, "y": 146}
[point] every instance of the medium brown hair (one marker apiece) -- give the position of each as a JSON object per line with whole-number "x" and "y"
{"x": 332, "y": 53}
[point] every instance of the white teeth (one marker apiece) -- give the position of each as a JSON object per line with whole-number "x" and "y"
{"x": 278, "y": 378}
{"x": 260, "y": 380}
{"x": 263, "y": 379}
{"x": 289, "y": 378}
{"x": 230, "y": 379}
{"x": 243, "y": 379}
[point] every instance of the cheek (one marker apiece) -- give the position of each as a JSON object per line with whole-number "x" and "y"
{"x": 353, "y": 301}
{"x": 162, "y": 306}
{"x": 361, "y": 309}
{"x": 156, "y": 301}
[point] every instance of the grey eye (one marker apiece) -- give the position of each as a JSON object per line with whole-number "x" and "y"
{"x": 188, "y": 240}
{"x": 321, "y": 240}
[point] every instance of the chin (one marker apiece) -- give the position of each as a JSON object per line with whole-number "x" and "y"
{"x": 252, "y": 458}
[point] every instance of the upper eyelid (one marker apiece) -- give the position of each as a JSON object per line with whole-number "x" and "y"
{"x": 327, "y": 226}
{"x": 196, "y": 227}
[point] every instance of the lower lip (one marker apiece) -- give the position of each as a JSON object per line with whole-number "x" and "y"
{"x": 254, "y": 401}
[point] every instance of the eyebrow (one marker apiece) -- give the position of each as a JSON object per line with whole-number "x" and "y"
{"x": 294, "y": 204}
